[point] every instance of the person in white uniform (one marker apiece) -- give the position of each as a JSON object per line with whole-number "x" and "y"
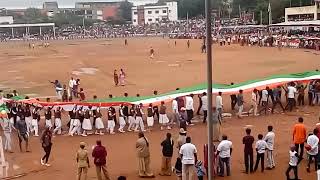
{"x": 111, "y": 123}
{"x": 99, "y": 123}
{"x": 86, "y": 124}
{"x": 139, "y": 121}
{"x": 163, "y": 118}
{"x": 122, "y": 121}
{"x": 48, "y": 117}
{"x": 57, "y": 121}
{"x": 76, "y": 124}
{"x": 150, "y": 119}
{"x": 131, "y": 118}
{"x": 72, "y": 116}
{"x": 34, "y": 122}
{"x": 28, "y": 117}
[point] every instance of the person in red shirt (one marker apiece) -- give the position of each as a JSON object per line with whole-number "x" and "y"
{"x": 82, "y": 95}
{"x": 299, "y": 136}
{"x": 99, "y": 154}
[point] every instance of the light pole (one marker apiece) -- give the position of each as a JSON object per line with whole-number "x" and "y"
{"x": 209, "y": 87}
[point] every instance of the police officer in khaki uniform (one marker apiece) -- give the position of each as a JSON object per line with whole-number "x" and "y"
{"x": 82, "y": 161}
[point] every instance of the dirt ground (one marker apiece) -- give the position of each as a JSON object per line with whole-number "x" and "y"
{"x": 29, "y": 70}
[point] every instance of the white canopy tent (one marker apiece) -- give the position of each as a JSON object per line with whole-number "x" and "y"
{"x": 27, "y": 26}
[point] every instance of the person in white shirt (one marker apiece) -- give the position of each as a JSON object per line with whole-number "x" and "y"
{"x": 291, "y": 91}
{"x": 254, "y": 105}
{"x": 312, "y": 147}
{"x": 264, "y": 99}
{"x": 293, "y": 163}
{"x": 175, "y": 110}
{"x": 7, "y": 127}
{"x": 204, "y": 107}
{"x": 261, "y": 147}
{"x": 269, "y": 138}
{"x": 224, "y": 151}
{"x": 188, "y": 153}
{"x": 71, "y": 84}
{"x": 219, "y": 103}
{"x": 189, "y": 108}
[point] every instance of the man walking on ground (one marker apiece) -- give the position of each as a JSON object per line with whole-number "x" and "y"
{"x": 216, "y": 120}
{"x": 293, "y": 163}
{"x": 264, "y": 99}
{"x": 22, "y": 133}
{"x": 312, "y": 147}
{"x": 175, "y": 111}
{"x": 254, "y": 104}
{"x": 269, "y": 138}
{"x": 189, "y": 108}
{"x": 291, "y": 96}
{"x": 82, "y": 161}
{"x": 219, "y": 103}
{"x": 277, "y": 98}
{"x": 299, "y": 136}
{"x": 224, "y": 151}
{"x": 240, "y": 102}
{"x": 233, "y": 98}
{"x": 99, "y": 154}
{"x": 167, "y": 152}
{"x": 188, "y": 153}
{"x": 204, "y": 100}
{"x": 248, "y": 151}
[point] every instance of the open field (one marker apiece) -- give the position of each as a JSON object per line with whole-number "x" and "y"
{"x": 29, "y": 70}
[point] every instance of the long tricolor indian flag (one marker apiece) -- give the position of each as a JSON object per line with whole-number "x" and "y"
{"x": 271, "y": 81}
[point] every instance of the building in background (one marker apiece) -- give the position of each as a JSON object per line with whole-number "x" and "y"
{"x": 304, "y": 13}
{"x": 149, "y": 14}
{"x": 98, "y": 10}
{"x": 50, "y": 8}
{"x": 6, "y": 19}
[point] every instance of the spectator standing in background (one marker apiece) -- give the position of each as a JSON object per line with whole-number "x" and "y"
{"x": 248, "y": 151}
{"x": 312, "y": 149}
{"x": 82, "y": 162}
{"x": 188, "y": 153}
{"x": 261, "y": 147}
{"x": 269, "y": 138}
{"x": 224, "y": 151}
{"x": 99, "y": 153}
{"x": 167, "y": 152}
{"x": 299, "y": 136}
{"x": 143, "y": 154}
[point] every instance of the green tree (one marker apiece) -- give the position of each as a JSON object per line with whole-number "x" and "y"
{"x": 125, "y": 10}
{"x": 61, "y": 19}
{"x": 31, "y": 15}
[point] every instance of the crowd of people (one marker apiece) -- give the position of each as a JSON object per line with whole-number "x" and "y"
{"x": 83, "y": 121}
{"x": 193, "y": 28}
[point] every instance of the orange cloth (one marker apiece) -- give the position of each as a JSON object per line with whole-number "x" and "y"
{"x": 299, "y": 133}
